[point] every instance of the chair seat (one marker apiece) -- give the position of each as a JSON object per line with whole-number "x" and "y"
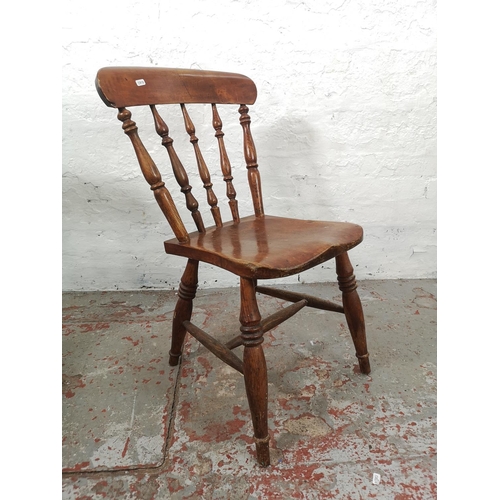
{"x": 269, "y": 247}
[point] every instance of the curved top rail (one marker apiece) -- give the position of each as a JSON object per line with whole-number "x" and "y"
{"x": 124, "y": 86}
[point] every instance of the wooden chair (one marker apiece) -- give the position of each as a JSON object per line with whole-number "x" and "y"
{"x": 255, "y": 247}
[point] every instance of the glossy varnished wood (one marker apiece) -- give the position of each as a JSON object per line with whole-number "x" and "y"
{"x": 139, "y": 86}
{"x": 153, "y": 176}
{"x": 202, "y": 167}
{"x": 254, "y": 247}
{"x": 353, "y": 310}
{"x": 271, "y": 321}
{"x": 269, "y": 247}
{"x": 315, "y": 302}
{"x": 180, "y": 173}
{"x": 183, "y": 309}
{"x": 225, "y": 164}
{"x": 214, "y": 346}
{"x": 251, "y": 161}
{"x": 254, "y": 368}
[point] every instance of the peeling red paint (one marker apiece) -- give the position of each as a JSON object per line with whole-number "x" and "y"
{"x": 67, "y": 330}
{"x": 205, "y": 363}
{"x": 208, "y": 425}
{"x": 125, "y": 448}
{"x": 92, "y": 327}
{"x": 286, "y": 404}
{"x": 77, "y": 467}
{"x": 218, "y": 431}
{"x": 71, "y": 383}
{"x": 130, "y": 339}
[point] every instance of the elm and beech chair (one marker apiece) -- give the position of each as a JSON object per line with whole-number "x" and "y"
{"x": 255, "y": 247}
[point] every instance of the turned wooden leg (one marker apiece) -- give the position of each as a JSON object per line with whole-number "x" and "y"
{"x": 353, "y": 310}
{"x": 183, "y": 309}
{"x": 254, "y": 368}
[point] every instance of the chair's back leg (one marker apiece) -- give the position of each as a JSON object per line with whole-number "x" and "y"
{"x": 353, "y": 310}
{"x": 183, "y": 309}
{"x": 254, "y": 368}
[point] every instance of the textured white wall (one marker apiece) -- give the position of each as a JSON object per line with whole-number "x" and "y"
{"x": 344, "y": 124}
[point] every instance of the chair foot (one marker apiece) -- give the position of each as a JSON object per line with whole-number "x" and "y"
{"x": 173, "y": 359}
{"x": 262, "y": 449}
{"x": 353, "y": 310}
{"x": 255, "y": 373}
{"x": 183, "y": 310}
{"x": 364, "y": 363}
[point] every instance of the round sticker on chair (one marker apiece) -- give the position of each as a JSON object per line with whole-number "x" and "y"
{"x": 140, "y": 82}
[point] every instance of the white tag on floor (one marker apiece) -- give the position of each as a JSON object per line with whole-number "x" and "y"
{"x": 376, "y": 478}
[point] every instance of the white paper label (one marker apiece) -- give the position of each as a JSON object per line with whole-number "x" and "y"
{"x": 376, "y": 478}
{"x": 140, "y": 82}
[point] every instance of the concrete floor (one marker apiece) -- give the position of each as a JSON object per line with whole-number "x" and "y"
{"x": 136, "y": 428}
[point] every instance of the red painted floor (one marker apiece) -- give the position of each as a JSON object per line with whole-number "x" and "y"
{"x": 136, "y": 428}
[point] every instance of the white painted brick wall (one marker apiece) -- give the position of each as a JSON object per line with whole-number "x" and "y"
{"x": 344, "y": 124}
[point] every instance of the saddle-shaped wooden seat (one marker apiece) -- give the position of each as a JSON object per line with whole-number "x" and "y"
{"x": 268, "y": 247}
{"x": 254, "y": 247}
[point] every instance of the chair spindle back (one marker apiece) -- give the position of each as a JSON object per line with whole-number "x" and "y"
{"x": 123, "y": 87}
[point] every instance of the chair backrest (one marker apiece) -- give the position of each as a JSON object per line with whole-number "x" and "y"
{"x": 123, "y": 87}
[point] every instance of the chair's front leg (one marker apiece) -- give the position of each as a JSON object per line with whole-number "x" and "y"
{"x": 183, "y": 309}
{"x": 254, "y": 368}
{"x": 353, "y": 310}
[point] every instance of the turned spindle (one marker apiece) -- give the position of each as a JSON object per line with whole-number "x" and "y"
{"x": 153, "y": 177}
{"x": 178, "y": 169}
{"x": 251, "y": 161}
{"x": 225, "y": 164}
{"x": 202, "y": 167}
